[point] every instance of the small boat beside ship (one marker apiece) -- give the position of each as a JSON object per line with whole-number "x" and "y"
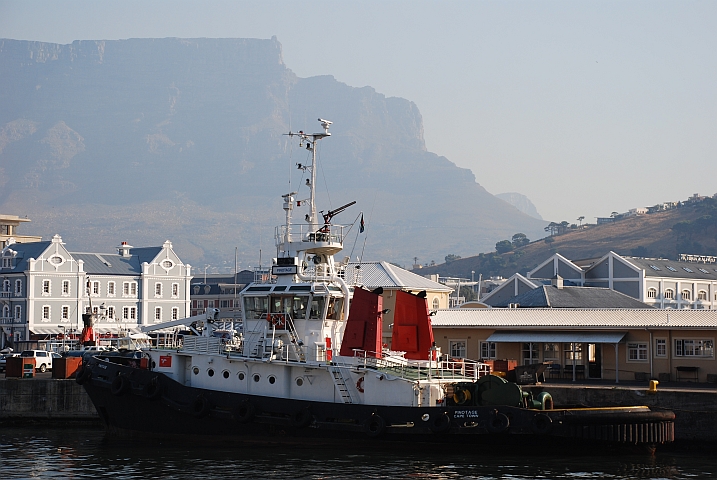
{"x": 309, "y": 366}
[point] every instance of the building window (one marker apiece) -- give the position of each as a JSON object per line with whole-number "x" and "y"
{"x": 436, "y": 303}
{"x": 133, "y": 313}
{"x": 95, "y": 310}
{"x": 530, "y": 353}
{"x": 65, "y": 288}
{"x": 175, "y": 290}
{"x": 175, "y": 313}
{"x": 210, "y": 304}
{"x": 65, "y": 312}
{"x": 669, "y": 294}
{"x": 6, "y": 311}
{"x": 157, "y": 289}
{"x": 487, "y": 350}
{"x": 125, "y": 313}
{"x": 6, "y": 263}
{"x": 111, "y": 312}
{"x": 125, "y": 289}
{"x": 133, "y": 289}
{"x": 45, "y": 287}
{"x": 651, "y": 293}
{"x": 158, "y": 314}
{"x": 225, "y": 304}
{"x": 6, "y": 286}
{"x": 18, "y": 312}
{"x": 95, "y": 288}
{"x": 111, "y": 289}
{"x": 694, "y": 347}
{"x": 18, "y": 287}
{"x": 660, "y": 347}
{"x": 573, "y": 351}
{"x": 46, "y": 313}
{"x": 686, "y": 295}
{"x": 637, "y": 352}
{"x": 457, "y": 348}
{"x": 551, "y": 351}
{"x": 702, "y": 295}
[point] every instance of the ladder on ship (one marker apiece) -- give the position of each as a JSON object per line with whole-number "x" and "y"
{"x": 295, "y": 340}
{"x": 340, "y": 383}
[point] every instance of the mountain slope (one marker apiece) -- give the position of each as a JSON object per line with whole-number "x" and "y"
{"x": 690, "y": 229}
{"x": 146, "y": 139}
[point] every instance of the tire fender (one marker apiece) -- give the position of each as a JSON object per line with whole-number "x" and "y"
{"x": 374, "y": 426}
{"x": 200, "y": 407}
{"x": 498, "y": 422}
{"x": 244, "y": 413}
{"x": 120, "y": 385}
{"x": 541, "y": 424}
{"x": 441, "y": 423}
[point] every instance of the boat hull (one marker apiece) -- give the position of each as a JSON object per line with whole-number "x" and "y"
{"x": 135, "y": 400}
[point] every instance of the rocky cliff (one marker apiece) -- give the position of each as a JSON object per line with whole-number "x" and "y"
{"x": 146, "y": 139}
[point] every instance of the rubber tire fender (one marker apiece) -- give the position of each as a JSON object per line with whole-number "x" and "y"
{"x": 244, "y": 413}
{"x": 441, "y": 423}
{"x": 374, "y": 426}
{"x": 153, "y": 390}
{"x": 301, "y": 418}
{"x": 200, "y": 407}
{"x": 120, "y": 385}
{"x": 498, "y": 422}
{"x": 82, "y": 375}
{"x": 541, "y": 424}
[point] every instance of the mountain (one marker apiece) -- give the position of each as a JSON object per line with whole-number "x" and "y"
{"x": 143, "y": 140}
{"x": 521, "y": 202}
{"x": 690, "y": 229}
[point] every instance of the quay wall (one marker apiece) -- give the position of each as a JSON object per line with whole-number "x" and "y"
{"x": 51, "y": 400}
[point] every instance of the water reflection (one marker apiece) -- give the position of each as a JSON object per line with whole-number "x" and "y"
{"x": 86, "y": 453}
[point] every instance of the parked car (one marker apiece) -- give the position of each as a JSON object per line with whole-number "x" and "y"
{"x": 3, "y": 359}
{"x": 43, "y": 359}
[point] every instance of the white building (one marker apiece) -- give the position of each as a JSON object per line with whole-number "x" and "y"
{"x": 46, "y": 288}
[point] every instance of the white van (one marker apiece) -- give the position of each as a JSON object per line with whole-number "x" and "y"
{"x": 43, "y": 359}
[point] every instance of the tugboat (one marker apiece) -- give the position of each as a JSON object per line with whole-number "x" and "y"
{"x": 308, "y": 366}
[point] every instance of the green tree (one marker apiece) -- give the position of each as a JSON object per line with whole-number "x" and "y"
{"x": 503, "y": 246}
{"x": 451, "y": 258}
{"x": 519, "y": 240}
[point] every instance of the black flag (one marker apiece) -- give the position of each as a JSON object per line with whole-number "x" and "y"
{"x": 362, "y": 227}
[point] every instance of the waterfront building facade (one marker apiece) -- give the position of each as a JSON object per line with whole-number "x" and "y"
{"x": 46, "y": 289}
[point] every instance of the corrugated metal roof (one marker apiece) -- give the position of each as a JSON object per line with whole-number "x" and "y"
{"x": 573, "y": 297}
{"x": 571, "y": 317}
{"x": 693, "y": 271}
{"x": 558, "y": 337}
{"x": 383, "y": 274}
{"x": 97, "y": 264}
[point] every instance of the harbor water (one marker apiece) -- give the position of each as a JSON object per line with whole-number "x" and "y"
{"x": 78, "y": 453}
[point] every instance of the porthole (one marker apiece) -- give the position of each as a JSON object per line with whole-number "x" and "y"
{"x": 256, "y": 377}
{"x": 195, "y": 370}
{"x": 225, "y": 374}
{"x": 210, "y": 372}
{"x": 272, "y": 379}
{"x": 299, "y": 382}
{"x": 241, "y": 376}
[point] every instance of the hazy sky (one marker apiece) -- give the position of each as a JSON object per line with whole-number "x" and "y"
{"x": 586, "y": 107}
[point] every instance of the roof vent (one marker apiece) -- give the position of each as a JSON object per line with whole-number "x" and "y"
{"x": 557, "y": 281}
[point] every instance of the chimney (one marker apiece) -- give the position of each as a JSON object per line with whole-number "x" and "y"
{"x": 124, "y": 249}
{"x": 557, "y": 282}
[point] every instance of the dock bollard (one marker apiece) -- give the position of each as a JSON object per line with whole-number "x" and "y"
{"x": 653, "y": 386}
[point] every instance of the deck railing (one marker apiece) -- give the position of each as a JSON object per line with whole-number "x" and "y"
{"x": 444, "y": 368}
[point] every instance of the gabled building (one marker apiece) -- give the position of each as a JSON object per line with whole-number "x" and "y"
{"x": 46, "y": 288}
{"x": 690, "y": 283}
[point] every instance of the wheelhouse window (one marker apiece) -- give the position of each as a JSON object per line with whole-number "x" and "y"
{"x": 637, "y": 352}
{"x": 457, "y": 348}
{"x": 255, "y": 307}
{"x": 336, "y": 308}
{"x": 694, "y": 347}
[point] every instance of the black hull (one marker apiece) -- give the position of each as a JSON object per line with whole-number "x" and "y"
{"x": 151, "y": 404}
